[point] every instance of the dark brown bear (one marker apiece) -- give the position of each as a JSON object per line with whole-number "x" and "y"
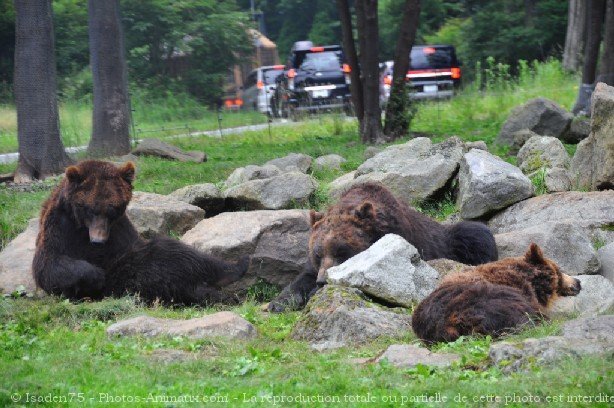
{"x": 366, "y": 213}
{"x": 492, "y": 299}
{"x": 87, "y": 247}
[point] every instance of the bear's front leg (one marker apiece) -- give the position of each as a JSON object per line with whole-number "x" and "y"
{"x": 296, "y": 294}
{"x": 72, "y": 278}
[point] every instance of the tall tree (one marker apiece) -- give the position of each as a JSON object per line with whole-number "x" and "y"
{"x": 594, "y": 24}
{"x": 111, "y": 117}
{"x": 349, "y": 48}
{"x": 41, "y": 152}
{"x": 368, "y": 35}
{"x": 606, "y": 65}
{"x": 397, "y": 120}
{"x": 576, "y": 33}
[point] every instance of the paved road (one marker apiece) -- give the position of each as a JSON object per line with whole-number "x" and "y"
{"x": 13, "y": 157}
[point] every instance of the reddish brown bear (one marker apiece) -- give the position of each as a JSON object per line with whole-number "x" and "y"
{"x": 87, "y": 247}
{"x": 492, "y": 299}
{"x": 366, "y": 213}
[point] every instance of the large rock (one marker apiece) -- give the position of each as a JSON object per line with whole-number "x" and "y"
{"x": 16, "y": 261}
{"x": 557, "y": 180}
{"x": 328, "y": 162}
{"x": 410, "y": 355}
{"x": 338, "y": 316}
{"x": 565, "y": 243}
{"x": 154, "y": 214}
{"x": 519, "y": 138}
{"x": 606, "y": 257}
{"x": 414, "y": 171}
{"x": 225, "y": 325}
{"x": 487, "y": 184}
{"x": 251, "y": 172}
{"x": 594, "y": 212}
{"x": 284, "y": 191}
{"x": 390, "y": 270}
{"x": 593, "y": 164}
{"x": 277, "y": 242}
{"x": 596, "y": 296}
{"x": 580, "y": 337}
{"x": 158, "y": 148}
{"x": 579, "y": 130}
{"x": 339, "y": 185}
{"x": 542, "y": 152}
{"x": 206, "y": 196}
{"x": 292, "y": 162}
{"x": 540, "y": 115}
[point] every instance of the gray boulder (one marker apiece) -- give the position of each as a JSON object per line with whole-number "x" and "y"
{"x": 158, "y": 148}
{"x": 519, "y": 138}
{"x": 565, "y": 243}
{"x": 542, "y": 152}
{"x": 479, "y": 144}
{"x": 579, "y": 130}
{"x": 487, "y": 184}
{"x": 540, "y": 115}
{"x": 593, "y": 212}
{"x": 371, "y": 151}
{"x": 557, "y": 180}
{"x": 416, "y": 170}
{"x": 593, "y": 164}
{"x": 606, "y": 257}
{"x": 284, "y": 191}
{"x": 409, "y": 356}
{"x": 292, "y": 162}
{"x": 16, "y": 261}
{"x": 251, "y": 172}
{"x": 580, "y": 337}
{"x": 154, "y": 214}
{"x": 596, "y": 297}
{"x": 338, "y": 316}
{"x": 277, "y": 242}
{"x": 206, "y": 196}
{"x": 390, "y": 269}
{"x": 341, "y": 184}
{"x": 328, "y": 162}
{"x": 225, "y": 325}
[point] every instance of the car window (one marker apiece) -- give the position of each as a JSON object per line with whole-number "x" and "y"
{"x": 271, "y": 75}
{"x": 320, "y": 61}
{"x": 430, "y": 57}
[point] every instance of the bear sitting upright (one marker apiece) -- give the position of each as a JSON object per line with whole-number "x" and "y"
{"x": 492, "y": 299}
{"x": 363, "y": 215}
{"x": 87, "y": 247}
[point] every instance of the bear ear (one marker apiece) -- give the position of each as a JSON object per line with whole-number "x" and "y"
{"x": 534, "y": 255}
{"x": 127, "y": 172}
{"x": 315, "y": 216}
{"x": 73, "y": 174}
{"x": 365, "y": 211}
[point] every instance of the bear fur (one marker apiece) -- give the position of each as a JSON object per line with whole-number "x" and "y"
{"x": 492, "y": 299}
{"x": 363, "y": 215}
{"x": 87, "y": 247}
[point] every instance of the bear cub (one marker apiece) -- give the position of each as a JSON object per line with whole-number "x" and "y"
{"x": 492, "y": 299}
{"x": 87, "y": 247}
{"x": 366, "y": 213}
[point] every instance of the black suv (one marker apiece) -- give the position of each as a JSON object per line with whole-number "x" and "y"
{"x": 315, "y": 78}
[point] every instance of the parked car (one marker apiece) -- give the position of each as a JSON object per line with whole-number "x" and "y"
{"x": 259, "y": 87}
{"x": 315, "y": 78}
{"x": 434, "y": 72}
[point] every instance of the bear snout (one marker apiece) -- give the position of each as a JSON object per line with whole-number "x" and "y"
{"x": 577, "y": 287}
{"x": 99, "y": 230}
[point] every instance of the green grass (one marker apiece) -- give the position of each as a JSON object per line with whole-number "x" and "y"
{"x": 53, "y": 347}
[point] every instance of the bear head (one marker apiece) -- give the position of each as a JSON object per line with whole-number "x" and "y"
{"x": 339, "y": 235}
{"x": 96, "y": 194}
{"x": 547, "y": 279}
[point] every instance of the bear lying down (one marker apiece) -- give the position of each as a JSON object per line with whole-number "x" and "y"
{"x": 87, "y": 247}
{"x": 492, "y": 299}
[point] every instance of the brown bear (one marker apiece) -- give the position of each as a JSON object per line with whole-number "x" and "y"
{"x": 363, "y": 215}
{"x": 87, "y": 247}
{"x": 492, "y": 299}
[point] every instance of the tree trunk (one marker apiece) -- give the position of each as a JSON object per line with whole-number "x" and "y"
{"x": 397, "y": 119}
{"x": 596, "y": 9}
{"x": 111, "y": 117}
{"x": 349, "y": 49}
{"x": 576, "y": 34}
{"x": 368, "y": 34}
{"x": 529, "y": 12}
{"x": 41, "y": 152}
{"x": 606, "y": 67}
